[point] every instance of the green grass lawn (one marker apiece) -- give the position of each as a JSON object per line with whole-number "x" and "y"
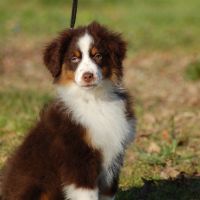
{"x": 162, "y": 72}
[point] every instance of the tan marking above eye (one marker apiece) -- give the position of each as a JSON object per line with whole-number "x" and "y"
{"x": 94, "y": 51}
{"x": 77, "y": 54}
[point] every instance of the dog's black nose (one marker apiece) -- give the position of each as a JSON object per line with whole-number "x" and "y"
{"x": 88, "y": 77}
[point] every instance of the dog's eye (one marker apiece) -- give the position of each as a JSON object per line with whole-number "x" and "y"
{"x": 97, "y": 56}
{"x": 75, "y": 59}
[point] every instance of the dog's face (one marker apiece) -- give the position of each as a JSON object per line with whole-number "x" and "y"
{"x": 86, "y": 56}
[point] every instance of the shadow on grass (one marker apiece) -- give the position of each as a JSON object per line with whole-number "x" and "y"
{"x": 183, "y": 187}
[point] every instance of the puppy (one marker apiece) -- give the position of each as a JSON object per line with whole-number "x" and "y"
{"x": 76, "y": 149}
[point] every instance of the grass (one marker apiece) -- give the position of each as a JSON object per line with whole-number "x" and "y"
{"x": 19, "y": 111}
{"x": 192, "y": 71}
{"x": 163, "y": 36}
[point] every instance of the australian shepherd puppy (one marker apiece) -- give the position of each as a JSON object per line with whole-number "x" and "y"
{"x": 76, "y": 149}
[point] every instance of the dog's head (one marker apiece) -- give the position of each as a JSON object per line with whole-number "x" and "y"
{"x": 86, "y": 56}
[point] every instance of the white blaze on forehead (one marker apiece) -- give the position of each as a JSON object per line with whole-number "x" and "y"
{"x": 84, "y": 43}
{"x": 87, "y": 64}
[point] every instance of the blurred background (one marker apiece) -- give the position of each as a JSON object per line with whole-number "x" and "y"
{"x": 162, "y": 72}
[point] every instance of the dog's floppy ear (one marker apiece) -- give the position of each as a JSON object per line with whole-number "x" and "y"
{"x": 54, "y": 53}
{"x": 112, "y": 41}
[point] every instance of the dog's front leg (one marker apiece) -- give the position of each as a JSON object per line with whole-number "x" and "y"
{"x": 109, "y": 189}
{"x": 79, "y": 177}
{"x": 109, "y": 180}
{"x": 109, "y": 193}
{"x": 80, "y": 193}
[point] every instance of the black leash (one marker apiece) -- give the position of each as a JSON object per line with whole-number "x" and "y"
{"x": 73, "y": 13}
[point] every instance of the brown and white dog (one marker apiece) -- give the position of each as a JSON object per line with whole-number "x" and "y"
{"x": 76, "y": 149}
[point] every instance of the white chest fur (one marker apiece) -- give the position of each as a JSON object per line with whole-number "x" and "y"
{"x": 104, "y": 117}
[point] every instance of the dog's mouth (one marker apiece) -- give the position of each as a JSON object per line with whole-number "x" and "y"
{"x": 89, "y": 86}
{"x": 86, "y": 85}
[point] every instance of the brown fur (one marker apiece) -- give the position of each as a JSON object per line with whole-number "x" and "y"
{"x": 67, "y": 76}
{"x": 49, "y": 159}
{"x": 44, "y": 196}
